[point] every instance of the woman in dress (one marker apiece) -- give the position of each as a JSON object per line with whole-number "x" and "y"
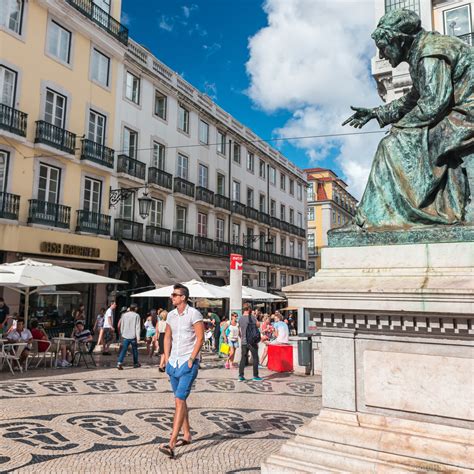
{"x": 160, "y": 333}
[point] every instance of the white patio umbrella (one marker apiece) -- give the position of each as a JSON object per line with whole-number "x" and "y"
{"x": 27, "y": 274}
{"x": 253, "y": 294}
{"x": 197, "y": 289}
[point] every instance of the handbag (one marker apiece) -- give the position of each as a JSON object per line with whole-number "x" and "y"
{"x": 225, "y": 348}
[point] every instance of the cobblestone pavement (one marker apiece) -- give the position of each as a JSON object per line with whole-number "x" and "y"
{"x": 101, "y": 420}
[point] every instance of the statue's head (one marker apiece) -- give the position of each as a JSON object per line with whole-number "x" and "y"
{"x": 395, "y": 33}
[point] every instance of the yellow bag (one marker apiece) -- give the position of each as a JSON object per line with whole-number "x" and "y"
{"x": 225, "y": 348}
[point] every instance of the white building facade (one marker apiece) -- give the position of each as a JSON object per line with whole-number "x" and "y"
{"x": 216, "y": 188}
{"x": 449, "y": 17}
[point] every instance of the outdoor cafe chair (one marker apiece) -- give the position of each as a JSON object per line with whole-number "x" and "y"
{"x": 11, "y": 353}
{"x": 36, "y": 355}
{"x": 83, "y": 352}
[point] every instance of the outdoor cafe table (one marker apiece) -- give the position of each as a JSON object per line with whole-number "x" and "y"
{"x": 56, "y": 343}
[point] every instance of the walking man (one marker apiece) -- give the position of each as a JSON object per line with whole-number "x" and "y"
{"x": 184, "y": 337}
{"x": 249, "y": 325}
{"x": 109, "y": 328}
{"x": 130, "y": 326}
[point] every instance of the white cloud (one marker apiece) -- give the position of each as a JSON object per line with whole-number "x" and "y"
{"x": 210, "y": 89}
{"x": 166, "y": 23}
{"x": 125, "y": 18}
{"x": 188, "y": 9}
{"x": 211, "y": 48}
{"x": 313, "y": 59}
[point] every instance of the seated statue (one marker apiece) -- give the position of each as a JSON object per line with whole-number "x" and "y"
{"x": 423, "y": 169}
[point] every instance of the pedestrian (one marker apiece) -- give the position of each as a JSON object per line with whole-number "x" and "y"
{"x": 108, "y": 328}
{"x": 160, "y": 333}
{"x": 232, "y": 339}
{"x": 216, "y": 321}
{"x": 183, "y": 341}
{"x": 250, "y": 337}
{"x": 150, "y": 328}
{"x": 4, "y": 312}
{"x": 98, "y": 329}
{"x": 130, "y": 327}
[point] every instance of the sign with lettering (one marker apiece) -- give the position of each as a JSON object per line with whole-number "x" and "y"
{"x": 67, "y": 249}
{"x": 236, "y": 261}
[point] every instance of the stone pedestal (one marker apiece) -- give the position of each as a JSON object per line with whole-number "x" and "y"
{"x": 397, "y": 338}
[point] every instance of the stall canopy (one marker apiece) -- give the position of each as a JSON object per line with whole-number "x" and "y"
{"x": 253, "y": 294}
{"x": 27, "y": 274}
{"x": 197, "y": 289}
{"x": 163, "y": 265}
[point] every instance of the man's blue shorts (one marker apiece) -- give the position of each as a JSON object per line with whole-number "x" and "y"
{"x": 182, "y": 378}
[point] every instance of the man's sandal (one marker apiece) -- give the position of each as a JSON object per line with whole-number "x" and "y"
{"x": 182, "y": 442}
{"x": 167, "y": 449}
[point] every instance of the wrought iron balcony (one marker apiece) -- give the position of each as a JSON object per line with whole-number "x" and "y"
{"x": 101, "y": 18}
{"x": 183, "y": 186}
{"x": 160, "y": 177}
{"x": 13, "y": 120}
{"x": 97, "y": 153}
{"x": 49, "y": 213}
{"x": 222, "y": 201}
{"x": 203, "y": 244}
{"x": 157, "y": 235}
{"x": 131, "y": 167}
{"x": 9, "y": 206}
{"x": 204, "y": 195}
{"x": 221, "y": 248}
{"x": 182, "y": 240}
{"x": 469, "y": 38}
{"x": 56, "y": 137}
{"x": 301, "y": 232}
{"x": 239, "y": 208}
{"x": 275, "y": 222}
{"x": 263, "y": 217}
{"x": 93, "y": 222}
{"x": 252, "y": 213}
{"x": 125, "y": 229}
{"x": 284, "y": 226}
{"x": 235, "y": 248}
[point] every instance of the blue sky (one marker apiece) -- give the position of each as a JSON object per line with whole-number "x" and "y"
{"x": 255, "y": 59}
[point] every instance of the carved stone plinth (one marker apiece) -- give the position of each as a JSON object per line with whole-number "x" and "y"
{"x": 397, "y": 338}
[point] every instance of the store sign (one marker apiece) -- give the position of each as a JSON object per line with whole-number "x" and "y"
{"x": 66, "y": 249}
{"x": 236, "y": 261}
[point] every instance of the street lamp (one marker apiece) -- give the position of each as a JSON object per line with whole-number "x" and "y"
{"x": 144, "y": 202}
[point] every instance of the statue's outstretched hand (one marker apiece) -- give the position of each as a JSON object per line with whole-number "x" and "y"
{"x": 360, "y": 118}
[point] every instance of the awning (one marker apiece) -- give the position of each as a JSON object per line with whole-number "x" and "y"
{"x": 163, "y": 265}
{"x": 207, "y": 265}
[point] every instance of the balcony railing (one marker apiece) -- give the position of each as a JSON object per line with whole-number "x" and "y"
{"x": 183, "y": 186}
{"x": 263, "y": 217}
{"x": 13, "y": 120}
{"x": 125, "y": 229}
{"x": 204, "y": 195}
{"x": 101, "y": 18}
{"x": 222, "y": 201}
{"x": 252, "y": 213}
{"x": 157, "y": 235}
{"x": 203, "y": 244}
{"x": 97, "y": 153}
{"x": 221, "y": 248}
{"x": 56, "y": 137}
{"x": 93, "y": 222}
{"x": 239, "y": 208}
{"x": 469, "y": 38}
{"x": 275, "y": 222}
{"x": 182, "y": 240}
{"x": 131, "y": 167}
{"x": 300, "y": 232}
{"x": 49, "y": 213}
{"x": 160, "y": 177}
{"x": 285, "y": 226}
{"x": 9, "y": 206}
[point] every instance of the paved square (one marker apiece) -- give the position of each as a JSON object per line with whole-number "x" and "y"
{"x": 102, "y": 420}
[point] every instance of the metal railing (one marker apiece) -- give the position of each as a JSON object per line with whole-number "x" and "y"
{"x": 204, "y": 194}
{"x": 56, "y": 137}
{"x": 49, "y": 213}
{"x": 263, "y": 217}
{"x": 183, "y": 186}
{"x": 182, "y": 240}
{"x": 13, "y": 120}
{"x": 239, "y": 208}
{"x": 125, "y": 229}
{"x": 160, "y": 178}
{"x": 157, "y": 235}
{"x": 221, "y": 248}
{"x": 131, "y": 167}
{"x": 203, "y": 244}
{"x": 101, "y": 18}
{"x": 9, "y": 206}
{"x": 252, "y": 213}
{"x": 97, "y": 153}
{"x": 275, "y": 222}
{"x": 222, "y": 201}
{"x": 93, "y": 222}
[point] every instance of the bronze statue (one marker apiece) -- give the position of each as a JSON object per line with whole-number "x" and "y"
{"x": 423, "y": 170}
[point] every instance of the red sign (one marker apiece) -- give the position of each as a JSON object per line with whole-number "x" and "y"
{"x": 236, "y": 261}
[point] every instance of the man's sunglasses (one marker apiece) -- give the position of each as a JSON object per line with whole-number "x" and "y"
{"x": 176, "y": 294}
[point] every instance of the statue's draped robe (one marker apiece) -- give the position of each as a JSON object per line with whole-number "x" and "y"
{"x": 418, "y": 175}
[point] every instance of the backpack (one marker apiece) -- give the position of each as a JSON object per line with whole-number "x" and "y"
{"x": 252, "y": 333}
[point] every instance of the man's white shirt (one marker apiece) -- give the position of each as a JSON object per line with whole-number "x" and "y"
{"x": 183, "y": 336}
{"x": 109, "y": 323}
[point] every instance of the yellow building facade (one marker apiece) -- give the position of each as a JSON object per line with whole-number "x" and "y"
{"x": 58, "y": 73}
{"x": 330, "y": 205}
